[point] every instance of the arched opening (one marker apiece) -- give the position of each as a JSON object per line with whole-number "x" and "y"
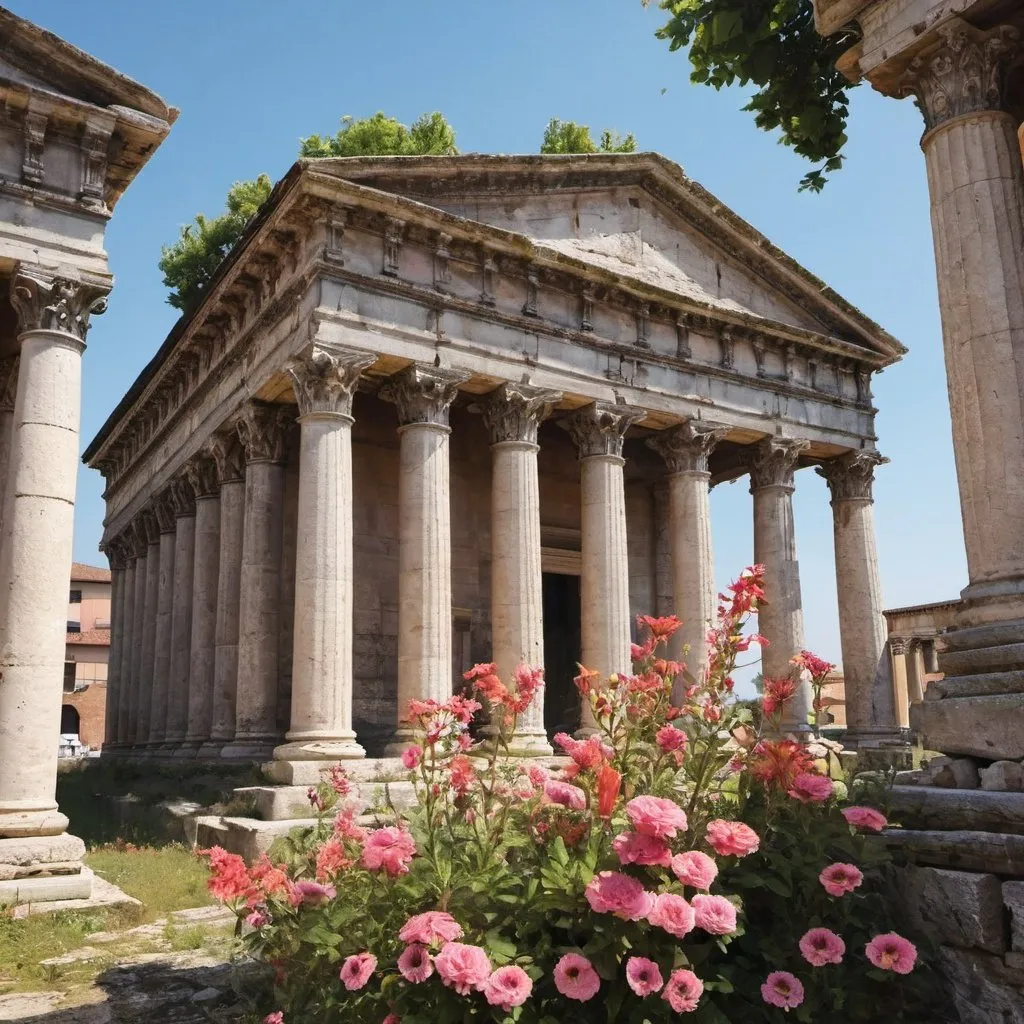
{"x": 69, "y": 720}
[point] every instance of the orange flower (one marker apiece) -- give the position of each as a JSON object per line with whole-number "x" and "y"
{"x": 609, "y": 782}
{"x": 779, "y": 763}
{"x": 661, "y": 627}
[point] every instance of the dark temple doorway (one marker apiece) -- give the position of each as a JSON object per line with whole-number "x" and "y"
{"x": 561, "y": 652}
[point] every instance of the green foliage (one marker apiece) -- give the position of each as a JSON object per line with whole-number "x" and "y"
{"x": 380, "y": 135}
{"x": 570, "y": 137}
{"x": 773, "y": 45}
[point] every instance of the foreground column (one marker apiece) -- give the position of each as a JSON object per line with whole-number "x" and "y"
{"x": 598, "y": 431}
{"x": 513, "y": 413}
{"x": 118, "y": 570}
{"x": 8, "y": 395}
{"x": 164, "y": 511}
{"x": 324, "y": 381}
{"x": 183, "y": 501}
{"x": 870, "y": 713}
{"x": 423, "y": 396}
{"x": 685, "y": 450}
{"x": 261, "y": 429}
{"x": 780, "y": 618}
{"x": 35, "y": 565}
{"x": 202, "y": 476}
{"x": 227, "y": 453}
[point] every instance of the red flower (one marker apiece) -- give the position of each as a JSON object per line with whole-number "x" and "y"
{"x": 609, "y": 782}
{"x": 661, "y": 627}
{"x": 229, "y": 879}
{"x": 776, "y": 693}
{"x": 461, "y": 773}
{"x": 818, "y": 667}
{"x": 779, "y": 763}
{"x": 583, "y": 680}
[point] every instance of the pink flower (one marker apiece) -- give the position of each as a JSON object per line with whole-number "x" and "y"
{"x": 415, "y": 963}
{"x": 392, "y": 1018}
{"x": 715, "y": 914}
{"x": 865, "y": 817}
{"x": 507, "y": 987}
{"x": 390, "y": 848}
{"x": 356, "y": 970}
{"x": 636, "y": 848}
{"x": 670, "y": 738}
{"x": 257, "y": 919}
{"x": 277, "y": 1017}
{"x": 431, "y": 929}
{"x": 811, "y": 789}
{"x": 576, "y": 978}
{"x": 537, "y": 774}
{"x": 683, "y": 991}
{"x": 732, "y": 838}
{"x": 840, "y": 879}
{"x": 412, "y": 756}
{"x": 821, "y": 946}
{"x": 463, "y": 967}
{"x": 568, "y": 796}
{"x": 781, "y": 989}
{"x": 695, "y": 868}
{"x": 892, "y": 952}
{"x": 655, "y": 816}
{"x": 643, "y": 976}
{"x": 611, "y": 892}
{"x": 313, "y": 892}
{"x": 673, "y": 914}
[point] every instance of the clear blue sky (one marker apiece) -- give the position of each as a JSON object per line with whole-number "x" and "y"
{"x": 252, "y": 77}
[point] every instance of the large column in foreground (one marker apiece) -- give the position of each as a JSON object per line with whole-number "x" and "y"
{"x": 685, "y": 450}
{"x": 870, "y": 713}
{"x": 513, "y": 413}
{"x": 183, "y": 501}
{"x": 423, "y": 395}
{"x": 780, "y": 617}
{"x": 227, "y": 453}
{"x": 164, "y": 510}
{"x": 202, "y": 476}
{"x": 118, "y": 573}
{"x": 35, "y": 565}
{"x": 8, "y": 395}
{"x": 324, "y": 380}
{"x": 599, "y": 430}
{"x": 261, "y": 429}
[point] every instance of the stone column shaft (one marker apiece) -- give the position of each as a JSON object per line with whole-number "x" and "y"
{"x": 162, "y": 630}
{"x": 125, "y": 649}
{"x": 138, "y": 629}
{"x": 183, "y": 499}
{"x": 151, "y": 609}
{"x": 8, "y": 394}
{"x": 915, "y": 684}
{"x": 898, "y": 651}
{"x": 117, "y": 581}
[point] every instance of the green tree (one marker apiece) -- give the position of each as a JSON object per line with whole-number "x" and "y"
{"x": 570, "y": 137}
{"x": 380, "y": 135}
{"x": 773, "y": 45}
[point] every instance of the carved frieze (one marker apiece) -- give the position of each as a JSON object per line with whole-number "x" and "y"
{"x": 334, "y": 249}
{"x": 683, "y": 337}
{"x": 394, "y": 231}
{"x": 600, "y": 428}
{"x": 324, "y": 379}
{"x": 727, "y": 348}
{"x": 772, "y": 461}
{"x": 46, "y": 301}
{"x": 686, "y": 448}
{"x": 758, "y": 345}
{"x": 423, "y": 394}
{"x": 850, "y": 476}
{"x": 513, "y": 412}
{"x": 262, "y": 429}
{"x": 95, "y": 146}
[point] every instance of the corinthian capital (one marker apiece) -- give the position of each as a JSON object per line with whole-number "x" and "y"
{"x": 46, "y": 301}
{"x": 773, "y": 460}
{"x": 851, "y": 475}
{"x": 600, "y": 428}
{"x": 324, "y": 379}
{"x": 964, "y": 74}
{"x": 423, "y": 394}
{"x": 513, "y": 412}
{"x": 262, "y": 428}
{"x": 686, "y": 448}
{"x": 226, "y": 451}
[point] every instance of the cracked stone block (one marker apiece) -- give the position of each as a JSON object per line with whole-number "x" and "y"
{"x": 1003, "y": 776}
{"x": 1013, "y": 897}
{"x": 959, "y": 908}
{"x": 985, "y": 990}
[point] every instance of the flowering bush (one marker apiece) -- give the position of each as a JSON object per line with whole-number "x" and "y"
{"x": 679, "y": 862}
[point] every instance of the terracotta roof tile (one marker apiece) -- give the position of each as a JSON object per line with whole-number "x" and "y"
{"x": 98, "y": 637}
{"x": 88, "y": 573}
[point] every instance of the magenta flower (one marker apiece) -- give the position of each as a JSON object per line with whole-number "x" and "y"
{"x": 683, "y": 991}
{"x": 463, "y": 967}
{"x": 392, "y": 1018}
{"x": 636, "y": 848}
{"x": 670, "y": 738}
{"x": 611, "y": 892}
{"x": 655, "y": 816}
{"x": 277, "y": 1017}
{"x": 809, "y": 788}
{"x": 715, "y": 914}
{"x": 576, "y": 978}
{"x": 695, "y": 869}
{"x": 415, "y": 964}
{"x": 356, "y": 970}
{"x": 783, "y": 990}
{"x": 731, "y": 838}
{"x": 563, "y": 793}
{"x": 821, "y": 946}
{"x": 865, "y": 817}
{"x": 643, "y": 976}
{"x": 431, "y": 928}
{"x": 507, "y": 987}
{"x": 390, "y": 848}
{"x": 412, "y": 756}
{"x": 840, "y": 879}
{"x": 673, "y": 914}
{"x": 892, "y": 952}
{"x": 314, "y": 893}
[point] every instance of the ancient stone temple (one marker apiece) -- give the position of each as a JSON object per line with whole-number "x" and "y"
{"x": 73, "y": 135}
{"x": 435, "y": 410}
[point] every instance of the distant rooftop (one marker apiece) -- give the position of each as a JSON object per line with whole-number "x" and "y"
{"x": 81, "y": 573}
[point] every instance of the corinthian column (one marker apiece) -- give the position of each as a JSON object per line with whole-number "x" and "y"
{"x": 118, "y": 569}
{"x": 324, "y": 381}
{"x": 780, "y": 617}
{"x": 512, "y": 414}
{"x": 423, "y": 395}
{"x": 261, "y": 429}
{"x": 133, "y": 656}
{"x": 599, "y": 430}
{"x": 685, "y": 450}
{"x": 150, "y": 612}
{"x": 898, "y": 648}
{"x": 870, "y": 713}
{"x": 184, "y": 505}
{"x": 164, "y": 510}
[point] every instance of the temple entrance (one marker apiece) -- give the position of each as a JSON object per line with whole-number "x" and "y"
{"x": 70, "y": 720}
{"x": 561, "y": 652}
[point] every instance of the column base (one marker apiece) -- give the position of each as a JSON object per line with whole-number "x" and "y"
{"x": 335, "y": 749}
{"x": 210, "y": 750}
{"x": 43, "y": 868}
{"x": 403, "y": 738}
{"x": 524, "y": 744}
{"x": 249, "y": 748}
{"x": 27, "y": 822}
{"x": 189, "y": 749}
{"x": 865, "y": 739}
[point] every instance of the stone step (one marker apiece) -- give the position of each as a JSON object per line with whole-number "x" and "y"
{"x": 282, "y": 803}
{"x": 976, "y": 660}
{"x": 987, "y": 727}
{"x": 987, "y": 684}
{"x": 47, "y": 888}
{"x": 210, "y": 830}
{"x": 309, "y": 773}
{"x": 976, "y": 637}
{"x": 929, "y": 807}
{"x": 967, "y": 850}
{"x": 249, "y": 837}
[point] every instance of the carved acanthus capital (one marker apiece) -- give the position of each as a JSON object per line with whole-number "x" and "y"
{"x": 148, "y": 528}
{"x": 850, "y": 476}
{"x": 964, "y": 74}
{"x": 773, "y": 460}
{"x": 899, "y": 644}
{"x": 45, "y": 301}
{"x": 163, "y": 509}
{"x": 423, "y": 394}
{"x": 9, "y": 382}
{"x": 183, "y": 497}
{"x": 324, "y": 379}
{"x": 262, "y": 429}
{"x": 201, "y": 472}
{"x": 226, "y": 451}
{"x": 686, "y": 448}
{"x": 600, "y": 428}
{"x": 513, "y": 412}
{"x": 117, "y": 552}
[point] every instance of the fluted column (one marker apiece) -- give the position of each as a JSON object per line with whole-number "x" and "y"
{"x": 35, "y": 547}
{"x": 138, "y": 613}
{"x": 184, "y": 505}
{"x": 686, "y": 449}
{"x": 780, "y": 618}
{"x": 202, "y": 475}
{"x": 599, "y": 430}
{"x": 227, "y": 453}
{"x": 324, "y": 380}
{"x": 147, "y": 669}
{"x": 870, "y": 712}
{"x": 127, "y": 646}
{"x": 261, "y": 429}
{"x": 8, "y": 394}
{"x": 423, "y": 396}
{"x": 513, "y": 413}
{"x": 898, "y": 647}
{"x": 118, "y": 565}
{"x": 164, "y": 510}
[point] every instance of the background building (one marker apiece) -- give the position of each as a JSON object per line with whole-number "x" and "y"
{"x": 85, "y": 660}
